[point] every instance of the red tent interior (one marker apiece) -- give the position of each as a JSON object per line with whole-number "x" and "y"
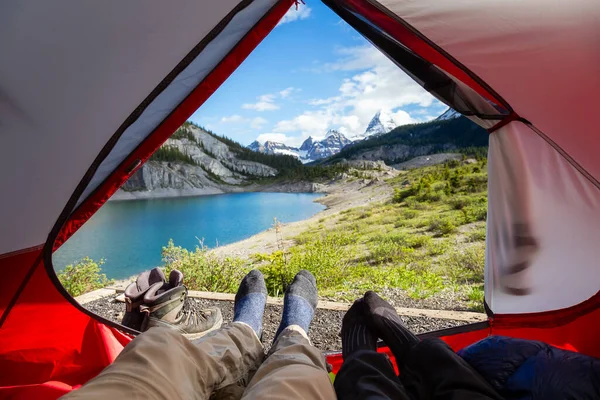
{"x": 50, "y": 345}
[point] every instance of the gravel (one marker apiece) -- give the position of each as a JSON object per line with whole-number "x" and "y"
{"x": 324, "y": 331}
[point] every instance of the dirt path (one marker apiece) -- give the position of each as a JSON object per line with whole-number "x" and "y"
{"x": 342, "y": 194}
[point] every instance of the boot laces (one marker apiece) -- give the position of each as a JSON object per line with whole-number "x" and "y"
{"x": 191, "y": 316}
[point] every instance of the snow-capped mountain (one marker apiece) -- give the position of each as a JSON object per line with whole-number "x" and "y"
{"x": 448, "y": 114}
{"x": 270, "y": 147}
{"x": 311, "y": 149}
{"x": 382, "y": 122}
{"x": 332, "y": 144}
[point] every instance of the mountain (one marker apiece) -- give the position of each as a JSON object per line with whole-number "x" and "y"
{"x": 381, "y": 123}
{"x": 333, "y": 143}
{"x": 310, "y": 150}
{"x": 408, "y": 141}
{"x": 256, "y": 146}
{"x": 197, "y": 161}
{"x": 448, "y": 114}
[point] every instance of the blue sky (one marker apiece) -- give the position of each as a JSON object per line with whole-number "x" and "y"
{"x": 311, "y": 74}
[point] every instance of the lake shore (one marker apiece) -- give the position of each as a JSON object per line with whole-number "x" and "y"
{"x": 341, "y": 194}
{"x": 165, "y": 193}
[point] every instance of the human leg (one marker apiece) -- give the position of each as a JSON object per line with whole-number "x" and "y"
{"x": 429, "y": 369}
{"x": 161, "y": 363}
{"x": 365, "y": 373}
{"x": 293, "y": 369}
{"x": 432, "y": 370}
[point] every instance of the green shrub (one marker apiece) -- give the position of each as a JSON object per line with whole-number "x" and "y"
{"x": 203, "y": 270}
{"x": 277, "y": 272}
{"x": 401, "y": 194}
{"x": 477, "y": 235}
{"x": 325, "y": 256}
{"x": 460, "y": 202}
{"x": 466, "y": 265}
{"x": 475, "y": 295}
{"x": 416, "y": 204}
{"x": 83, "y": 276}
{"x": 417, "y": 284}
{"x": 409, "y": 214}
{"x": 475, "y": 213}
{"x": 438, "y": 247}
{"x": 441, "y": 226}
{"x": 432, "y": 196}
{"x": 417, "y": 241}
{"x": 476, "y": 182}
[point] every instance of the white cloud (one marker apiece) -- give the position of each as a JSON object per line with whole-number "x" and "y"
{"x": 377, "y": 85}
{"x": 266, "y": 102}
{"x": 235, "y": 119}
{"x": 285, "y": 93}
{"x": 258, "y": 122}
{"x": 295, "y": 14}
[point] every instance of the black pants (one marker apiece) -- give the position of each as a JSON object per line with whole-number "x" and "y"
{"x": 431, "y": 370}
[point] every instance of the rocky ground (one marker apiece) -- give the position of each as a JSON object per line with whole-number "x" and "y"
{"x": 428, "y": 160}
{"x": 324, "y": 331}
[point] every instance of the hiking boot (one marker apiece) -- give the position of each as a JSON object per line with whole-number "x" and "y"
{"x": 165, "y": 305}
{"x": 134, "y": 297}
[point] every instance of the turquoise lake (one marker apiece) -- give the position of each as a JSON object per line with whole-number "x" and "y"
{"x": 129, "y": 235}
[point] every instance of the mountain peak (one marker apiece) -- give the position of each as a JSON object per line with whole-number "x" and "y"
{"x": 450, "y": 113}
{"x": 255, "y": 146}
{"x": 307, "y": 144}
{"x": 332, "y": 132}
{"x": 382, "y": 122}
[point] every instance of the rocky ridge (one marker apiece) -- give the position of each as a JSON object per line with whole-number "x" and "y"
{"x": 207, "y": 165}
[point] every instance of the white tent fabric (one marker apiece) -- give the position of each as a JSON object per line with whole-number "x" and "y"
{"x": 531, "y": 183}
{"x": 71, "y": 74}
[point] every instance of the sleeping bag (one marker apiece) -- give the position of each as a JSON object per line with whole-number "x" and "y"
{"x": 525, "y": 369}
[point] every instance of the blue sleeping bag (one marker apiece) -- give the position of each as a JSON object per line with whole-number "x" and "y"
{"x": 525, "y": 369}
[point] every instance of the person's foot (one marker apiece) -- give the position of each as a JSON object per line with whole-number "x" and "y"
{"x": 165, "y": 305}
{"x": 134, "y": 297}
{"x": 250, "y": 301}
{"x": 387, "y": 324}
{"x": 356, "y": 334}
{"x": 299, "y": 302}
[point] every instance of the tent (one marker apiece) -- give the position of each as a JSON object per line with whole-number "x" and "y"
{"x": 89, "y": 90}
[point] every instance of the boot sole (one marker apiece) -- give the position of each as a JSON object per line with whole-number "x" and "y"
{"x": 194, "y": 336}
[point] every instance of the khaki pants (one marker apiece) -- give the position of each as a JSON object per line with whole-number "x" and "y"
{"x": 228, "y": 363}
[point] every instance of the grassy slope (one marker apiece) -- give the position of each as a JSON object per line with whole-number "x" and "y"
{"x": 459, "y": 132}
{"x": 428, "y": 238}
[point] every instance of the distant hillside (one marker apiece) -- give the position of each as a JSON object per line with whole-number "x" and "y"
{"x": 408, "y": 141}
{"x": 195, "y": 161}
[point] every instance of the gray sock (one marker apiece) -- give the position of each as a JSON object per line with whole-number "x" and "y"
{"x": 250, "y": 301}
{"x": 300, "y": 302}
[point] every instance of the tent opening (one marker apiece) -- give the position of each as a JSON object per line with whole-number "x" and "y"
{"x": 408, "y": 223}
